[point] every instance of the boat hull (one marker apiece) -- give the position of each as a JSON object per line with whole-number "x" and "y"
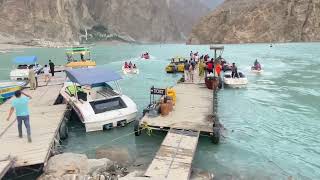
{"x": 7, "y": 89}
{"x": 130, "y": 71}
{"x": 105, "y": 120}
{"x": 241, "y": 81}
{"x": 81, "y": 64}
{"x": 179, "y": 68}
{"x": 235, "y": 82}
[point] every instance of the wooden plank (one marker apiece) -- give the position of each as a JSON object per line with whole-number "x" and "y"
{"x": 5, "y": 166}
{"x": 174, "y": 158}
{"x": 45, "y": 119}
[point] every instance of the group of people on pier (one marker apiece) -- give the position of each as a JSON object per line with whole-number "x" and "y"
{"x": 204, "y": 65}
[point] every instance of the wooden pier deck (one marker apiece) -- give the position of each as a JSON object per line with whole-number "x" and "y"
{"x": 192, "y": 115}
{"x": 175, "y": 156}
{"x": 193, "y": 110}
{"x": 45, "y": 120}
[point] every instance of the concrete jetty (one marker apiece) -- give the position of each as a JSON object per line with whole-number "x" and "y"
{"x": 45, "y": 120}
{"x": 174, "y": 158}
{"x": 193, "y": 115}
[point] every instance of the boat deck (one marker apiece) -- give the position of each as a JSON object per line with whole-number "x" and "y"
{"x": 174, "y": 158}
{"x": 192, "y": 111}
{"x": 45, "y": 120}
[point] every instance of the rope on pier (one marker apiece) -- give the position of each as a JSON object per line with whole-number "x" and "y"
{"x": 145, "y": 126}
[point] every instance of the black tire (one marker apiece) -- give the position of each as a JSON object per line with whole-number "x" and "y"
{"x": 215, "y": 135}
{"x": 137, "y": 130}
{"x": 63, "y": 130}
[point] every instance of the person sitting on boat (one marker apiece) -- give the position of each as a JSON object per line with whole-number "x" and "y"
{"x": 126, "y": 65}
{"x": 69, "y": 58}
{"x": 130, "y": 64}
{"x": 82, "y": 56}
{"x": 234, "y": 70}
{"x": 134, "y": 66}
{"x": 257, "y": 65}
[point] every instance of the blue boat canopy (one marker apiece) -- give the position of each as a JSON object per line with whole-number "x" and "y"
{"x": 25, "y": 60}
{"x": 90, "y": 76}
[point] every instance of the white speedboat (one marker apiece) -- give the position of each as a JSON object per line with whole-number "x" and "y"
{"x": 130, "y": 70}
{"x": 96, "y": 103}
{"x": 238, "y": 81}
{"x": 21, "y": 71}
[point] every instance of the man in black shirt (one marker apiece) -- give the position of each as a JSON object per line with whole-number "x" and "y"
{"x": 51, "y": 65}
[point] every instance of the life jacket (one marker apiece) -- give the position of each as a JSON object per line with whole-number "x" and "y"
{"x": 218, "y": 69}
{"x": 72, "y": 90}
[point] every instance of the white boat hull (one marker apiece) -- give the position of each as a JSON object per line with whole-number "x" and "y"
{"x": 22, "y": 74}
{"x": 130, "y": 71}
{"x": 234, "y": 82}
{"x": 108, "y": 119}
{"x": 256, "y": 71}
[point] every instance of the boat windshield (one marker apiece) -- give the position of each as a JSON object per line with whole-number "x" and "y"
{"x": 107, "y": 105}
{"x": 23, "y": 66}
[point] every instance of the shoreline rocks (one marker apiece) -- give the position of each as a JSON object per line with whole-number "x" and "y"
{"x": 71, "y": 166}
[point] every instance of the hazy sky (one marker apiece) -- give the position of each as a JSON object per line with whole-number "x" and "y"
{"x": 212, "y": 3}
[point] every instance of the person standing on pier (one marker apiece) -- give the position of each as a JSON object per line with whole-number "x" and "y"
{"x": 186, "y": 70}
{"x": 20, "y": 105}
{"x": 32, "y": 79}
{"x": 46, "y": 74}
{"x": 191, "y": 71}
{"x": 51, "y": 65}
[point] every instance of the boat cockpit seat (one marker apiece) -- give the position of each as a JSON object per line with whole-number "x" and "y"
{"x": 82, "y": 95}
{"x": 107, "y": 93}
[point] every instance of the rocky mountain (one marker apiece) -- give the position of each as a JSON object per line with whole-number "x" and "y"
{"x": 71, "y": 21}
{"x": 246, "y": 21}
{"x": 187, "y": 13}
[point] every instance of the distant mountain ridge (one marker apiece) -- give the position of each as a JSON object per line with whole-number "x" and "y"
{"x": 71, "y": 21}
{"x": 247, "y": 21}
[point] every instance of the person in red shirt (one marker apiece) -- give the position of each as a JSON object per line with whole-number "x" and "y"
{"x": 210, "y": 66}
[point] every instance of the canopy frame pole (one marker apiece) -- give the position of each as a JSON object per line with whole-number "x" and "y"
{"x": 118, "y": 87}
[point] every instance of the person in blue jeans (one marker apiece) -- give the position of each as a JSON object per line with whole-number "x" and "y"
{"x": 20, "y": 105}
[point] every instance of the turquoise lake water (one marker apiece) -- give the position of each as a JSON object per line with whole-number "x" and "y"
{"x": 272, "y": 126}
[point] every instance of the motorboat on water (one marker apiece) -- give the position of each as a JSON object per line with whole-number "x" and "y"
{"x": 97, "y": 103}
{"x": 176, "y": 65}
{"x": 238, "y": 81}
{"x": 22, "y": 66}
{"x": 84, "y": 60}
{"x": 145, "y": 56}
{"x": 130, "y": 70}
{"x": 8, "y": 88}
